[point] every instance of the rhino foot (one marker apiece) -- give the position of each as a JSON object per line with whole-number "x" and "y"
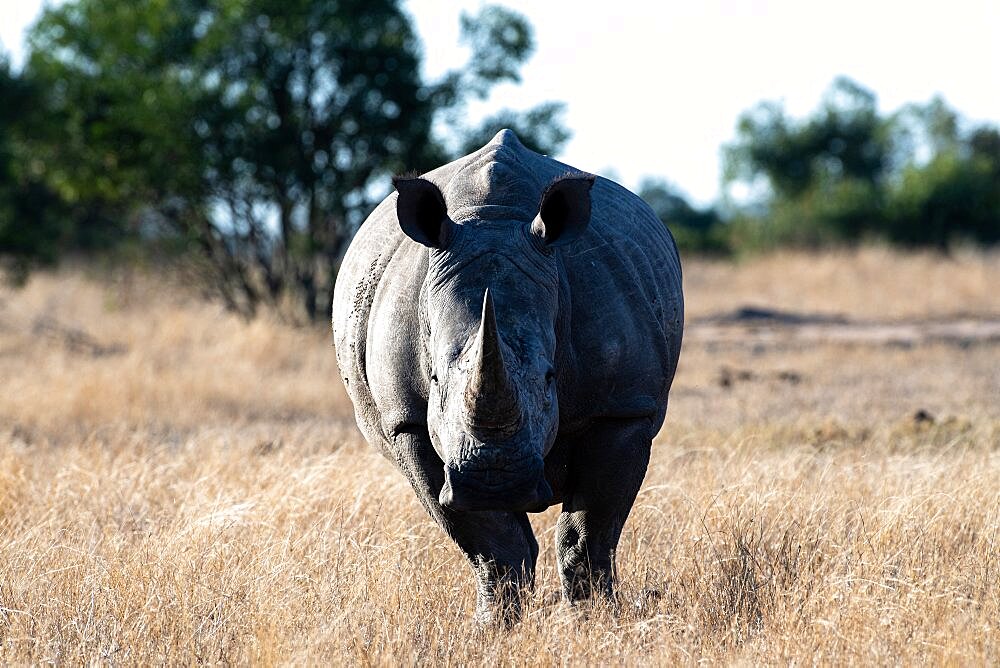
{"x": 500, "y": 591}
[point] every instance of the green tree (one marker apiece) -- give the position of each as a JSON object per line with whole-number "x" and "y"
{"x": 844, "y": 139}
{"x": 262, "y": 131}
{"x": 695, "y": 230}
{"x": 821, "y": 178}
{"x": 33, "y": 228}
{"x": 954, "y": 195}
{"x": 918, "y": 176}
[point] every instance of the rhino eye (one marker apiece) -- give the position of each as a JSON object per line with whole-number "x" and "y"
{"x": 550, "y": 376}
{"x": 434, "y": 378}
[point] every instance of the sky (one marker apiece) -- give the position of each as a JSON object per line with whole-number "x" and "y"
{"x": 655, "y": 87}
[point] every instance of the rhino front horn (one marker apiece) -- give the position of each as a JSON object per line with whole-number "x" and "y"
{"x": 490, "y": 398}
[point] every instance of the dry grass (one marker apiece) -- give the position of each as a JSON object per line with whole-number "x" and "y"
{"x": 873, "y": 283}
{"x": 76, "y": 356}
{"x": 179, "y": 486}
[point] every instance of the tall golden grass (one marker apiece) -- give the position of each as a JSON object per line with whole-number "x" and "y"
{"x": 179, "y": 486}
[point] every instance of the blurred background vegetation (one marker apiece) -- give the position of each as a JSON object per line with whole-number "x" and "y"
{"x": 250, "y": 138}
{"x": 921, "y": 176}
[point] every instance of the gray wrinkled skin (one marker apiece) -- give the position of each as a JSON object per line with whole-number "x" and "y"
{"x": 508, "y": 329}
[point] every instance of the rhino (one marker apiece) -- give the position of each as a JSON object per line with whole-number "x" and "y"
{"x": 508, "y": 328}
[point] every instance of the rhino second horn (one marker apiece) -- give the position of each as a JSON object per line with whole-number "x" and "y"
{"x": 490, "y": 397}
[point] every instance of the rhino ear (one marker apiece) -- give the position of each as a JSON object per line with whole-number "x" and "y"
{"x": 565, "y": 210}
{"x": 422, "y": 213}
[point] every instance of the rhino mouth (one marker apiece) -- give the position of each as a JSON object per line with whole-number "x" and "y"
{"x": 471, "y": 490}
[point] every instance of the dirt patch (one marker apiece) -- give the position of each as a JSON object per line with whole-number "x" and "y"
{"x": 756, "y": 326}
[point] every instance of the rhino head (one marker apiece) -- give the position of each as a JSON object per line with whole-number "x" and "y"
{"x": 489, "y": 309}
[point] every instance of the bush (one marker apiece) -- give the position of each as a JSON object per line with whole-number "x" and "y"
{"x": 848, "y": 174}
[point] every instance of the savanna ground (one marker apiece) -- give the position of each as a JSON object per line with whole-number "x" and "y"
{"x": 179, "y": 486}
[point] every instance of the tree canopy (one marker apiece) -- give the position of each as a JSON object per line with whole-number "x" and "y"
{"x": 262, "y": 132}
{"x": 24, "y": 196}
{"x": 920, "y": 176}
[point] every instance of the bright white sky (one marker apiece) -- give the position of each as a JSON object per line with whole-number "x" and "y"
{"x": 654, "y": 87}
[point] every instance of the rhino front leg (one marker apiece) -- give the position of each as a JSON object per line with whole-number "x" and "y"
{"x": 608, "y": 465}
{"x": 500, "y": 546}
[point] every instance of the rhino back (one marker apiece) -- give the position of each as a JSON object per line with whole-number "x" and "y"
{"x": 621, "y": 280}
{"x": 627, "y": 311}
{"x": 623, "y": 272}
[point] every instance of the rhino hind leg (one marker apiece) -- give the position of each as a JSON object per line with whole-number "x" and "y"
{"x": 608, "y": 465}
{"x": 500, "y": 546}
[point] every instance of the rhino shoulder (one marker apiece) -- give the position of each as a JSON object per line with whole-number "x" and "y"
{"x": 356, "y": 303}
